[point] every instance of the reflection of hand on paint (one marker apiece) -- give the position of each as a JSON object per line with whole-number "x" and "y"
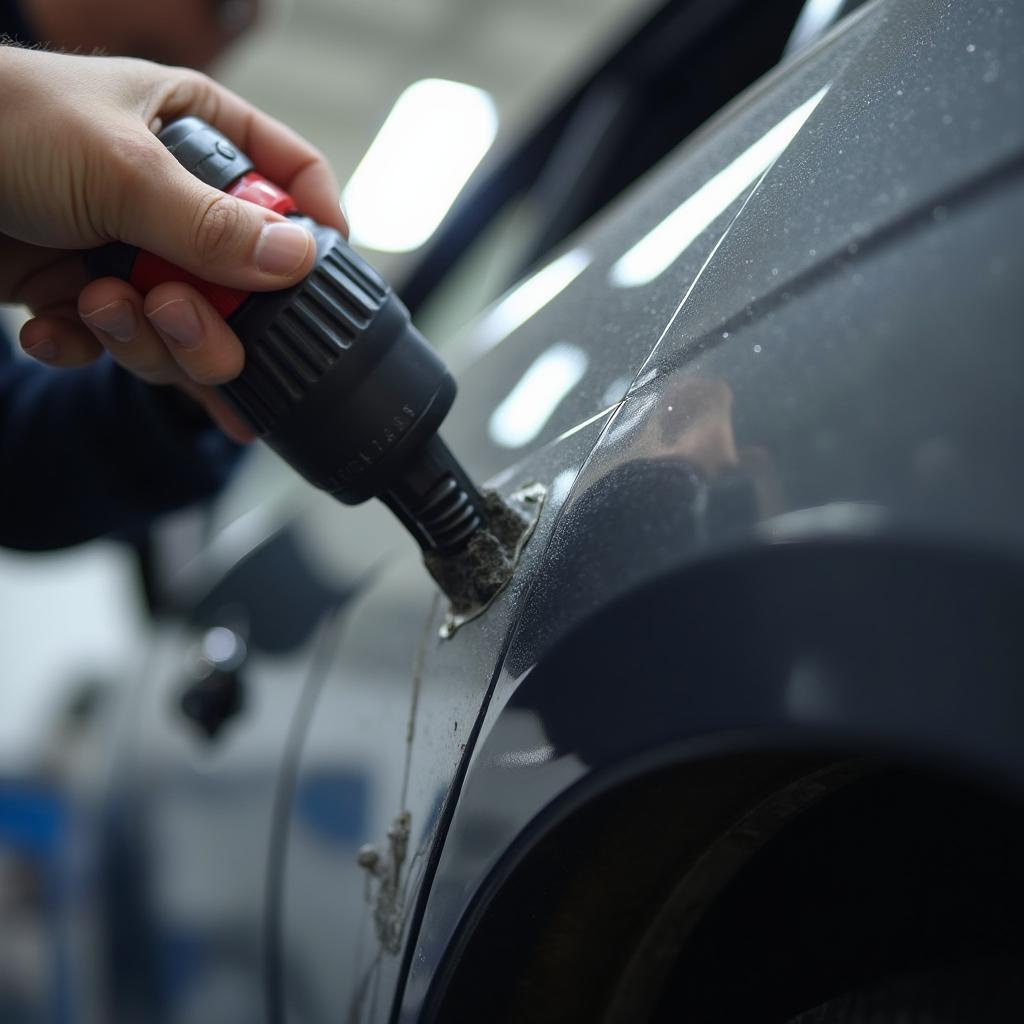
{"x": 694, "y": 424}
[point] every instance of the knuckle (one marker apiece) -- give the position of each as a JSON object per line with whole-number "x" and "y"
{"x": 196, "y": 80}
{"x": 215, "y": 227}
{"x": 183, "y": 90}
{"x": 136, "y": 152}
{"x": 110, "y": 175}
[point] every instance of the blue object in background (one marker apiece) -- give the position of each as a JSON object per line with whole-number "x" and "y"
{"x": 33, "y": 820}
{"x": 333, "y": 805}
{"x": 34, "y": 827}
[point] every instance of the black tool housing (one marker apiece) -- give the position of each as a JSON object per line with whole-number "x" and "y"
{"x": 337, "y": 380}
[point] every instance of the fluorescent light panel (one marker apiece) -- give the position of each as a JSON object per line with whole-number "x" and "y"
{"x": 433, "y": 139}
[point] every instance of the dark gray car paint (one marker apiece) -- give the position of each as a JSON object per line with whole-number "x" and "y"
{"x": 847, "y": 365}
{"x": 833, "y": 361}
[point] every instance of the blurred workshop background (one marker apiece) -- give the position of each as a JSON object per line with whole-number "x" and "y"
{"x": 72, "y": 622}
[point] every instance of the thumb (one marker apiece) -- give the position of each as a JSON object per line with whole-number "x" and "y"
{"x": 217, "y": 237}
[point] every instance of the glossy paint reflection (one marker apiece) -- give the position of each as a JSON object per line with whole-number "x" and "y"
{"x": 664, "y": 244}
{"x": 536, "y": 395}
{"x": 528, "y": 298}
{"x": 818, "y": 465}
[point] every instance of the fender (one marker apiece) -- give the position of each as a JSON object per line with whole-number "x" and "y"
{"x": 800, "y": 653}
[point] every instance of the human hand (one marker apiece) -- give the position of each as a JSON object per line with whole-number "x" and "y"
{"x": 80, "y": 167}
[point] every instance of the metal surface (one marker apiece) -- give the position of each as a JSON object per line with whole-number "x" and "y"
{"x": 783, "y": 510}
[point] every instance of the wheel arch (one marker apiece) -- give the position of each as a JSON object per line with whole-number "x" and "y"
{"x": 805, "y": 665}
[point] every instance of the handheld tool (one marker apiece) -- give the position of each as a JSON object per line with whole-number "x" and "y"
{"x": 337, "y": 380}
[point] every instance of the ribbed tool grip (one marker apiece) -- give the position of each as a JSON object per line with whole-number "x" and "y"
{"x": 435, "y": 499}
{"x": 449, "y": 515}
{"x": 336, "y": 378}
{"x": 320, "y": 319}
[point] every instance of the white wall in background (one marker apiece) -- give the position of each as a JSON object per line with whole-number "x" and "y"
{"x": 64, "y": 617}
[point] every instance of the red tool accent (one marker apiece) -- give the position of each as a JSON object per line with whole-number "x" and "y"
{"x": 148, "y": 270}
{"x": 254, "y": 188}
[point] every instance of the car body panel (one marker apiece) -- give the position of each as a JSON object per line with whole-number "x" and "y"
{"x": 843, "y": 370}
{"x": 399, "y": 709}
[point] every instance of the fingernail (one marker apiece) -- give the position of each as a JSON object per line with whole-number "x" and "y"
{"x": 44, "y": 350}
{"x": 282, "y": 248}
{"x": 179, "y": 320}
{"x": 116, "y": 319}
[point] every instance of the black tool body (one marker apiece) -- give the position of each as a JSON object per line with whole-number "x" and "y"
{"x": 337, "y": 379}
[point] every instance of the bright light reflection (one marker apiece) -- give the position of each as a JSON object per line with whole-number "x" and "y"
{"x": 811, "y": 23}
{"x": 220, "y": 645}
{"x": 434, "y": 137}
{"x": 662, "y": 246}
{"x": 530, "y": 404}
{"x": 561, "y": 484}
{"x": 528, "y": 297}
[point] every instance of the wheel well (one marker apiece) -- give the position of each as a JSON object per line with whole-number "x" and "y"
{"x": 743, "y": 887}
{"x": 810, "y": 669}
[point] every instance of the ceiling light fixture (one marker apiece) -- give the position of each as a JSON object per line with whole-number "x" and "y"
{"x": 429, "y": 145}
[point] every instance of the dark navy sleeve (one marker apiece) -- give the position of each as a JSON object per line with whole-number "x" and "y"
{"x": 89, "y": 452}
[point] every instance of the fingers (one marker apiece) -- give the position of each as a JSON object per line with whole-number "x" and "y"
{"x": 112, "y": 311}
{"x": 288, "y": 160}
{"x": 200, "y": 342}
{"x": 278, "y": 152}
{"x": 220, "y": 411}
{"x": 56, "y": 335}
{"x": 174, "y": 335}
{"x": 36, "y": 276}
{"x": 166, "y": 210}
{"x": 57, "y": 338}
